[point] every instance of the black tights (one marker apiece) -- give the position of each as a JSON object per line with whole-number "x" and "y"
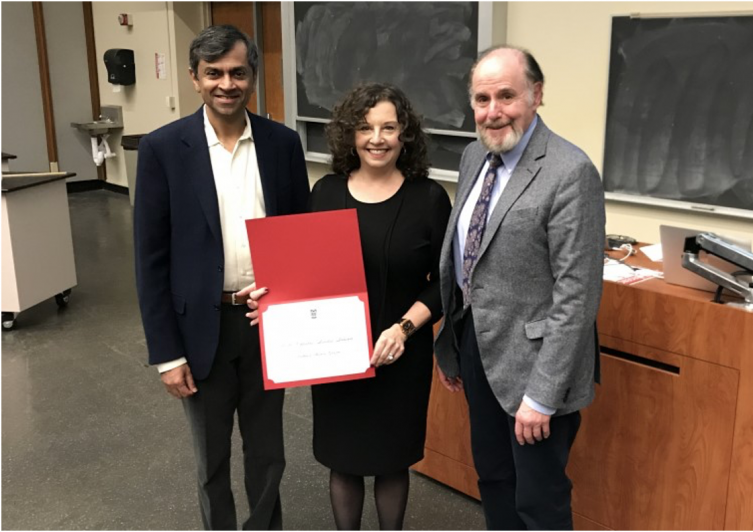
{"x": 347, "y": 494}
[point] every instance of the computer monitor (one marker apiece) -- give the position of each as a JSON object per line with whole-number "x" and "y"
{"x": 673, "y": 245}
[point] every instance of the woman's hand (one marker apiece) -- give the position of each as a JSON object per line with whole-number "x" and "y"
{"x": 389, "y": 347}
{"x": 253, "y": 300}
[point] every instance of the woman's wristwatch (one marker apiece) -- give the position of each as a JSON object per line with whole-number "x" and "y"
{"x": 407, "y": 327}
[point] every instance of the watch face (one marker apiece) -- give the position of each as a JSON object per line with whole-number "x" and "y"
{"x": 407, "y": 327}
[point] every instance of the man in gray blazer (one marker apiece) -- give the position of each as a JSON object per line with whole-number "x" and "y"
{"x": 521, "y": 274}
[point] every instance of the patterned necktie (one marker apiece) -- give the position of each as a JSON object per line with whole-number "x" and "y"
{"x": 477, "y": 226}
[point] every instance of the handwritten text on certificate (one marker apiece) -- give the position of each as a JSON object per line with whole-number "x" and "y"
{"x": 315, "y": 339}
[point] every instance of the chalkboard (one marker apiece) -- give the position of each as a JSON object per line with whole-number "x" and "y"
{"x": 425, "y": 48}
{"x": 680, "y": 110}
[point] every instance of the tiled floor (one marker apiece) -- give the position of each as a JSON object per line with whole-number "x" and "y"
{"x": 90, "y": 440}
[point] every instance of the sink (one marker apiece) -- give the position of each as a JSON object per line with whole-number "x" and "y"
{"x": 111, "y": 117}
{"x": 99, "y": 127}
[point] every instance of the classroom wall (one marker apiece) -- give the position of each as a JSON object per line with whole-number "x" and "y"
{"x": 187, "y": 22}
{"x": 158, "y": 28}
{"x": 23, "y": 132}
{"x": 22, "y": 110}
{"x": 571, "y": 42}
{"x": 69, "y": 79}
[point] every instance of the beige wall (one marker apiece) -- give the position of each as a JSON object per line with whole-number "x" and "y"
{"x": 571, "y": 42}
{"x": 187, "y": 22}
{"x": 157, "y": 28}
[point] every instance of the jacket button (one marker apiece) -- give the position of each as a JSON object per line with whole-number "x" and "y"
{"x": 219, "y": 269}
{"x": 216, "y": 307}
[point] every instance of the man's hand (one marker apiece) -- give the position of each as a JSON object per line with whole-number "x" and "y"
{"x": 253, "y": 301}
{"x": 530, "y": 426}
{"x": 179, "y": 382}
{"x": 454, "y": 384}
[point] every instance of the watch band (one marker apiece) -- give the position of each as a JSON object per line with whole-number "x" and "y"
{"x": 407, "y": 327}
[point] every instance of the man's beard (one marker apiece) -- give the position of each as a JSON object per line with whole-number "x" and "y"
{"x": 508, "y": 143}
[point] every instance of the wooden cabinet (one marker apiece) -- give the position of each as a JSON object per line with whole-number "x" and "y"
{"x": 668, "y": 442}
{"x": 447, "y": 452}
{"x": 654, "y": 449}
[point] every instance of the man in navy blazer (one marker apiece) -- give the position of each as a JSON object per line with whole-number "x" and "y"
{"x": 199, "y": 179}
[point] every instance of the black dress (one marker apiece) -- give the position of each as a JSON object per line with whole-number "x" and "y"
{"x": 377, "y": 426}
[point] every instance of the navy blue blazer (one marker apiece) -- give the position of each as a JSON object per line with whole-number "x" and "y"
{"x": 177, "y": 234}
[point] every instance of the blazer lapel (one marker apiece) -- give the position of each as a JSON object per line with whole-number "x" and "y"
{"x": 466, "y": 180}
{"x": 266, "y": 157}
{"x": 467, "y": 177}
{"x": 199, "y": 170}
{"x": 526, "y": 170}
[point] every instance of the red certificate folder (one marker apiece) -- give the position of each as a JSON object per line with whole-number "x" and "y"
{"x": 305, "y": 258}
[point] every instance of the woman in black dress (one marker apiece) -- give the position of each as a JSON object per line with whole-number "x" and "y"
{"x": 376, "y": 427}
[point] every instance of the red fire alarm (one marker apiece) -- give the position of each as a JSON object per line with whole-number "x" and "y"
{"x": 124, "y": 19}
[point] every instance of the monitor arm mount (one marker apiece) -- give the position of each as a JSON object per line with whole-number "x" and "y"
{"x": 714, "y": 245}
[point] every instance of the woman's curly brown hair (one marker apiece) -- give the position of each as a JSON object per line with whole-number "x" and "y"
{"x": 413, "y": 161}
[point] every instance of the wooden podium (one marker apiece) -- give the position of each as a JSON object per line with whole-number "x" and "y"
{"x": 668, "y": 442}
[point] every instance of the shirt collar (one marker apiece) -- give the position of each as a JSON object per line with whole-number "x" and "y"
{"x": 512, "y": 157}
{"x": 212, "y": 139}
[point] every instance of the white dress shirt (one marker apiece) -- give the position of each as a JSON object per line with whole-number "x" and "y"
{"x": 504, "y": 171}
{"x": 239, "y": 197}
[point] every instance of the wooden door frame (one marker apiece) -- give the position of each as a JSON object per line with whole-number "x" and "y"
{"x": 44, "y": 80}
{"x": 235, "y": 13}
{"x": 266, "y": 30}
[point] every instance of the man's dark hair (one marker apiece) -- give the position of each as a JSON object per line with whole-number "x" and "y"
{"x": 413, "y": 161}
{"x": 533, "y": 70}
{"x": 215, "y": 41}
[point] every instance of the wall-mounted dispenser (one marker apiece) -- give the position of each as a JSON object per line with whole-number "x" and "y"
{"x": 121, "y": 69}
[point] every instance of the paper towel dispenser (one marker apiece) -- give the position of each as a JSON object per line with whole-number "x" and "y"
{"x": 121, "y": 69}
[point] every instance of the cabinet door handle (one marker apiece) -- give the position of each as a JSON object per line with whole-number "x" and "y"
{"x": 640, "y": 360}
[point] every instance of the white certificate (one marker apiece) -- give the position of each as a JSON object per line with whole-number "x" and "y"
{"x": 315, "y": 339}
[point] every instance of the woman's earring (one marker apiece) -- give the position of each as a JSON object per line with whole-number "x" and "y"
{"x": 353, "y": 151}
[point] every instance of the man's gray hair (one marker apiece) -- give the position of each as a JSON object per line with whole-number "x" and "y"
{"x": 533, "y": 70}
{"x": 215, "y": 41}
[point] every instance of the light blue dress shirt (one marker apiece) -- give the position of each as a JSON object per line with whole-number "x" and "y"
{"x": 504, "y": 172}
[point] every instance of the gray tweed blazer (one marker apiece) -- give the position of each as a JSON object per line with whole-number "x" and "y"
{"x": 536, "y": 287}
